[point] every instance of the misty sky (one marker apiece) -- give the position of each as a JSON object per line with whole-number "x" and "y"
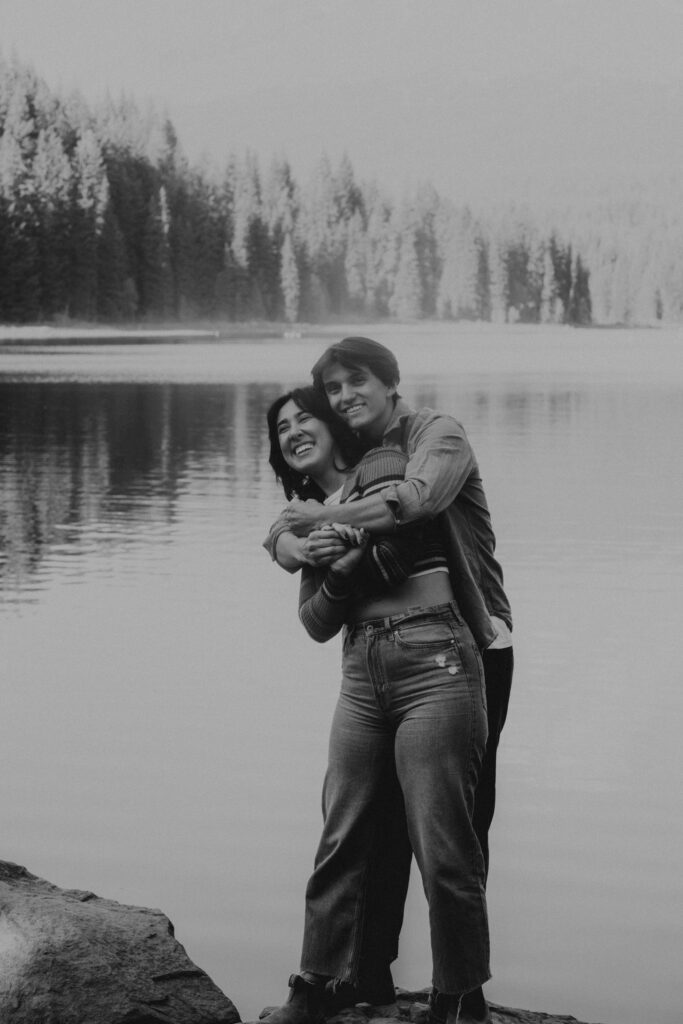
{"x": 445, "y": 90}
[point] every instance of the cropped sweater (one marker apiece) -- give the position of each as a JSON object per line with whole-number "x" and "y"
{"x": 325, "y": 595}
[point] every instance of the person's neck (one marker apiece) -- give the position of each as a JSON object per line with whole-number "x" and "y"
{"x": 376, "y": 432}
{"x": 331, "y": 480}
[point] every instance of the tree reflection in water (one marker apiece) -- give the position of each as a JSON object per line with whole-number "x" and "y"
{"x": 74, "y": 456}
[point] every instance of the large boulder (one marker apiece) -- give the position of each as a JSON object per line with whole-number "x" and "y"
{"x": 70, "y": 957}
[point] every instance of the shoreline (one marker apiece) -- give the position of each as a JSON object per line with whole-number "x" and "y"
{"x": 200, "y": 330}
{"x": 40, "y": 334}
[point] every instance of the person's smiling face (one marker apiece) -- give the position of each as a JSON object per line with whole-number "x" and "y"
{"x": 360, "y": 398}
{"x": 306, "y": 442}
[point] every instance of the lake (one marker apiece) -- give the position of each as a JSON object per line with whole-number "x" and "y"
{"x": 165, "y": 716}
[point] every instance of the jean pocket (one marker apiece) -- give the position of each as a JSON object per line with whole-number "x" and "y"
{"x": 425, "y": 635}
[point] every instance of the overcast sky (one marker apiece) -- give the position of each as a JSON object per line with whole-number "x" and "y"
{"x": 408, "y": 88}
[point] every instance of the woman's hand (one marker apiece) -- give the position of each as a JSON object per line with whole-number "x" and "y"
{"x": 323, "y": 546}
{"x": 356, "y": 541}
{"x": 353, "y": 535}
{"x": 330, "y": 542}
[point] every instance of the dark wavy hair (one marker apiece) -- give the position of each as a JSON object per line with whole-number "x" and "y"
{"x": 355, "y": 352}
{"x": 314, "y": 402}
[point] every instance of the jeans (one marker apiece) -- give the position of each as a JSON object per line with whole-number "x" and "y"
{"x": 391, "y": 865}
{"x": 498, "y": 666}
{"x": 411, "y": 707}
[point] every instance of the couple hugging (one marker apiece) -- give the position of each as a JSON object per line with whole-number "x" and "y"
{"x": 388, "y": 521}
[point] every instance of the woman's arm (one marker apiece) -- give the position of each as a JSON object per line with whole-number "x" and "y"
{"x": 320, "y": 548}
{"x": 323, "y": 608}
{"x": 364, "y": 568}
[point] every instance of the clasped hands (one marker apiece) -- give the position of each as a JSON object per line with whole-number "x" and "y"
{"x": 325, "y": 544}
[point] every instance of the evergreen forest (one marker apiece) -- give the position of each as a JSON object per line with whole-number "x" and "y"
{"x": 102, "y": 218}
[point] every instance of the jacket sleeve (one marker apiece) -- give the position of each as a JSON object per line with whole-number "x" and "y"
{"x": 438, "y": 467}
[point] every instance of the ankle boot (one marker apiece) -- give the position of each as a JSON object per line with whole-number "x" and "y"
{"x": 304, "y": 1003}
{"x": 474, "y": 1008}
{"x": 439, "y": 1004}
{"x": 469, "y": 1008}
{"x": 377, "y": 989}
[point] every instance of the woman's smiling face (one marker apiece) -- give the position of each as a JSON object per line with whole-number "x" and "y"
{"x": 306, "y": 442}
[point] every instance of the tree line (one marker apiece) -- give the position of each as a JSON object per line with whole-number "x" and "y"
{"x": 102, "y": 217}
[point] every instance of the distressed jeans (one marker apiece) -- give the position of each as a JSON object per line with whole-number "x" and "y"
{"x": 411, "y": 703}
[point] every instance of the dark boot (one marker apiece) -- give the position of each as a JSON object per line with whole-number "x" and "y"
{"x": 304, "y": 1003}
{"x": 470, "y": 1008}
{"x": 378, "y": 991}
{"x": 474, "y": 1008}
{"x": 439, "y": 1005}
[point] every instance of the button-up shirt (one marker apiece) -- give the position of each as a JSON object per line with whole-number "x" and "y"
{"x": 442, "y": 479}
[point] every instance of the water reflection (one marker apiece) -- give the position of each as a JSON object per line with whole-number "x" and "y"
{"x": 73, "y": 456}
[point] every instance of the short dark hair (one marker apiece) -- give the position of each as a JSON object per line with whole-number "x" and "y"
{"x": 354, "y": 352}
{"x": 312, "y": 401}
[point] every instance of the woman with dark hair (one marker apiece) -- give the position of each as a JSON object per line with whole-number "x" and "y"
{"x": 312, "y": 402}
{"x": 411, "y": 707}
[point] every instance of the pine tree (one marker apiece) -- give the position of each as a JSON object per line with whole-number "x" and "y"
{"x": 430, "y": 258}
{"x": 458, "y": 295}
{"x": 157, "y": 282}
{"x": 92, "y": 195}
{"x": 496, "y": 250}
{"x": 548, "y": 307}
{"x": 289, "y": 280}
{"x": 579, "y": 312}
{"x": 20, "y": 280}
{"x": 54, "y": 185}
{"x": 320, "y": 233}
{"x": 355, "y": 263}
{"x": 280, "y": 202}
{"x": 246, "y": 208}
{"x": 116, "y": 296}
{"x": 561, "y": 256}
{"x": 381, "y": 254}
{"x": 406, "y": 299}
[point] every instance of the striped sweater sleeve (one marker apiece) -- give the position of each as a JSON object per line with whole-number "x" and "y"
{"x": 324, "y": 597}
{"x": 390, "y": 558}
{"x": 323, "y": 606}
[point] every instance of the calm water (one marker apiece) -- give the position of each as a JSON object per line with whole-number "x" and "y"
{"x": 165, "y": 717}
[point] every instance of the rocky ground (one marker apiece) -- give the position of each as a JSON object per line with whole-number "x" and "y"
{"x": 412, "y": 1008}
{"x": 68, "y": 956}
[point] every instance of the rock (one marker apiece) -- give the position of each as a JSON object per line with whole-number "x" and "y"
{"x": 412, "y": 1007}
{"x": 70, "y": 957}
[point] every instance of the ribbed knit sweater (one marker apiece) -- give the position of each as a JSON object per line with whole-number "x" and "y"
{"x": 326, "y": 595}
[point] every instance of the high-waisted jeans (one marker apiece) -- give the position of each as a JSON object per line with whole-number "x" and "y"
{"x": 412, "y": 702}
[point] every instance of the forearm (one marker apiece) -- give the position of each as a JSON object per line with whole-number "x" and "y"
{"x": 372, "y": 514}
{"x": 324, "y": 612}
{"x": 439, "y": 466}
{"x": 288, "y": 551}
